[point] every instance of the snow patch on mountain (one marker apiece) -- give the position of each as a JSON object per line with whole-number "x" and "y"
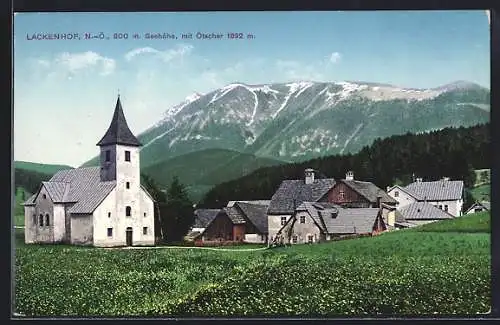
{"x": 293, "y": 87}
{"x": 178, "y": 108}
{"x": 156, "y": 138}
{"x": 317, "y": 141}
{"x": 223, "y": 91}
{"x": 350, "y": 137}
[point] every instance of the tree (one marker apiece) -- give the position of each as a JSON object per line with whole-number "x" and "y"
{"x": 159, "y": 197}
{"x": 177, "y": 213}
{"x": 468, "y": 200}
{"x": 484, "y": 177}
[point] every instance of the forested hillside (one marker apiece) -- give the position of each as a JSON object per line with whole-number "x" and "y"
{"x": 451, "y": 152}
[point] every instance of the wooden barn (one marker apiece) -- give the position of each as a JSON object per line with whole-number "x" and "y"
{"x": 241, "y": 222}
{"x": 352, "y": 193}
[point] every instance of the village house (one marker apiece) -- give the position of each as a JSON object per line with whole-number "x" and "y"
{"x": 100, "y": 206}
{"x": 319, "y": 221}
{"x": 351, "y": 193}
{"x": 419, "y": 213}
{"x": 240, "y": 222}
{"x": 444, "y": 194}
{"x": 202, "y": 218}
{"x": 479, "y": 207}
{"x": 291, "y": 194}
{"x": 346, "y": 193}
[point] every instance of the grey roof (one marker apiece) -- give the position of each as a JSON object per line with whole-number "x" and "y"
{"x": 423, "y": 211}
{"x": 292, "y": 193}
{"x": 30, "y": 200}
{"x": 82, "y": 186}
{"x": 404, "y": 189}
{"x": 118, "y": 131}
{"x": 257, "y": 202}
{"x": 338, "y": 220}
{"x": 487, "y": 205}
{"x": 484, "y": 204}
{"x": 256, "y": 213}
{"x": 235, "y": 215}
{"x": 203, "y": 217}
{"x": 437, "y": 190}
{"x": 56, "y": 190}
{"x": 370, "y": 191}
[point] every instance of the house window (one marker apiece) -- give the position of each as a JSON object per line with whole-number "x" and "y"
{"x": 127, "y": 185}
{"x": 144, "y": 214}
{"x": 44, "y": 196}
{"x": 110, "y": 232}
{"x": 128, "y": 211}
{"x": 396, "y": 194}
{"x": 47, "y": 222}
{"x": 302, "y": 219}
{"x": 108, "y": 155}
{"x": 446, "y": 208}
{"x": 127, "y": 155}
{"x": 109, "y": 214}
{"x": 262, "y": 237}
{"x": 294, "y": 239}
{"x": 40, "y": 220}
{"x": 440, "y": 207}
{"x": 283, "y": 221}
{"x": 341, "y": 194}
{"x": 144, "y": 230}
{"x": 310, "y": 238}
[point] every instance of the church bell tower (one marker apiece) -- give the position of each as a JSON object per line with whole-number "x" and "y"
{"x": 119, "y": 161}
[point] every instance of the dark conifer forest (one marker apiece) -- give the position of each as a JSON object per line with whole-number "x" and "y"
{"x": 451, "y": 152}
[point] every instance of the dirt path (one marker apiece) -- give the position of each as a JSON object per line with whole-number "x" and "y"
{"x": 183, "y": 247}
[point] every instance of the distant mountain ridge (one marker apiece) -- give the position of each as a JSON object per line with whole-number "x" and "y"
{"x": 297, "y": 121}
{"x": 301, "y": 120}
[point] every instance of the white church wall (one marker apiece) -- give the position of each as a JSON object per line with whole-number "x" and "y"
{"x": 29, "y": 224}
{"x": 147, "y": 216}
{"x": 59, "y": 223}
{"x": 44, "y": 207}
{"x": 105, "y": 217}
{"x": 82, "y": 229}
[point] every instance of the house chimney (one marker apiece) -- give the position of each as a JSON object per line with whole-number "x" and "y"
{"x": 349, "y": 176}
{"x": 309, "y": 176}
{"x": 419, "y": 179}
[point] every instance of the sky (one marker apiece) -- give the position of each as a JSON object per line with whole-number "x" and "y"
{"x": 65, "y": 90}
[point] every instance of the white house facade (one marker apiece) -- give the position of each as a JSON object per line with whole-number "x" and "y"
{"x": 401, "y": 195}
{"x": 102, "y": 206}
{"x": 444, "y": 194}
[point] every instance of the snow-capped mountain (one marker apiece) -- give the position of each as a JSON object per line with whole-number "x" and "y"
{"x": 300, "y": 120}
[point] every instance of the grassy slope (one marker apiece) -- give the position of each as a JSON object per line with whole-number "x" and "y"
{"x": 402, "y": 272}
{"x": 18, "y": 208}
{"x": 482, "y": 192}
{"x": 41, "y": 168}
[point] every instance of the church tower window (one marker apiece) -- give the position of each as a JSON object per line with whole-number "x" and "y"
{"x": 127, "y": 155}
{"x": 128, "y": 211}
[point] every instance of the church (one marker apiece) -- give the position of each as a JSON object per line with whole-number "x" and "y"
{"x": 102, "y": 206}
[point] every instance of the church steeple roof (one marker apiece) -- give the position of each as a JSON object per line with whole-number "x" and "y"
{"x": 118, "y": 131}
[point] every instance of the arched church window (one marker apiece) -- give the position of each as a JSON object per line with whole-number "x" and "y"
{"x": 40, "y": 220}
{"x": 47, "y": 218}
{"x": 34, "y": 219}
{"x": 128, "y": 211}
